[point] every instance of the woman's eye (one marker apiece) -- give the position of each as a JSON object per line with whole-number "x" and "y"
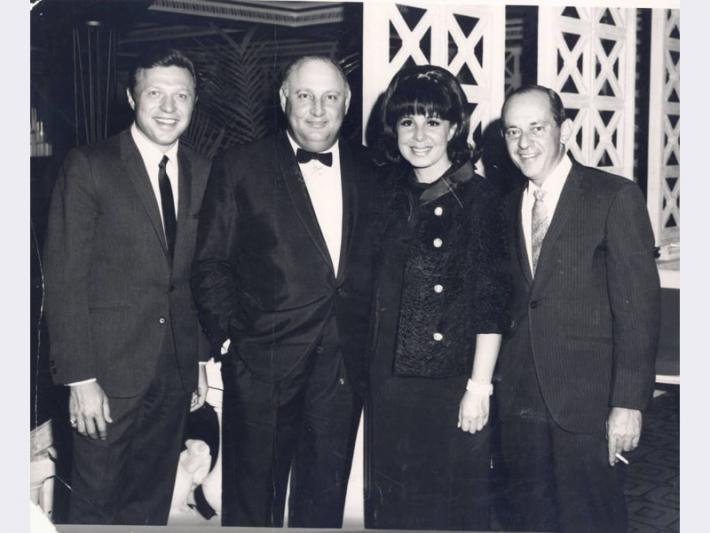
{"x": 405, "y": 123}
{"x": 433, "y": 123}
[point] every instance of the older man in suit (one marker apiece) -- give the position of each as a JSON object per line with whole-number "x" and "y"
{"x": 123, "y": 329}
{"x": 577, "y": 368}
{"x": 283, "y": 271}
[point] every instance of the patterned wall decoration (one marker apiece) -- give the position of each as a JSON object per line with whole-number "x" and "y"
{"x": 587, "y": 54}
{"x": 468, "y": 40}
{"x": 664, "y": 129}
{"x": 513, "y": 52}
{"x": 513, "y": 76}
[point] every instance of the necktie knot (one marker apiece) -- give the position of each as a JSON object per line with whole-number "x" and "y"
{"x": 164, "y": 162}
{"x": 304, "y": 156}
{"x": 539, "y": 194}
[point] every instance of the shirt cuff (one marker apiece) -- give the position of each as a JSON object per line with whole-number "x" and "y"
{"x": 75, "y": 383}
{"x": 225, "y": 347}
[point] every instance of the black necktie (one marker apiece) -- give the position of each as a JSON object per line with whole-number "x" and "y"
{"x": 304, "y": 156}
{"x": 166, "y": 199}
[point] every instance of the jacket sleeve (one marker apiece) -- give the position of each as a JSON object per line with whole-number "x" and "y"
{"x": 490, "y": 255}
{"x": 213, "y": 281}
{"x": 73, "y": 212}
{"x": 634, "y": 296}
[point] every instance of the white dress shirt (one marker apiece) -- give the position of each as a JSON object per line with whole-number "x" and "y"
{"x": 326, "y": 192}
{"x": 152, "y": 155}
{"x": 552, "y": 186}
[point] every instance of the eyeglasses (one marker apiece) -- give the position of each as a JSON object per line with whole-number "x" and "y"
{"x": 537, "y": 131}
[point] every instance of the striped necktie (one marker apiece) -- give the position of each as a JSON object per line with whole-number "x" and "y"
{"x": 540, "y": 223}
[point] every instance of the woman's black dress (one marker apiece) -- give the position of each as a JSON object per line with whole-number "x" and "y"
{"x": 442, "y": 279}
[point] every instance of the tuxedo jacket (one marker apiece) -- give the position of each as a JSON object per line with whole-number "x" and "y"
{"x": 112, "y": 290}
{"x": 590, "y": 315}
{"x": 263, "y": 276}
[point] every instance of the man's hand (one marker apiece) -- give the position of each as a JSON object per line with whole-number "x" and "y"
{"x": 473, "y": 411}
{"x": 623, "y": 431}
{"x": 88, "y": 405}
{"x": 198, "y": 397}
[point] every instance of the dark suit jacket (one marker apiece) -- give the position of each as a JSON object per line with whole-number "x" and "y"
{"x": 263, "y": 276}
{"x": 111, "y": 288}
{"x": 592, "y": 310}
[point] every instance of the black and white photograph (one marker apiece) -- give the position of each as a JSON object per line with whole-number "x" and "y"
{"x": 366, "y": 265}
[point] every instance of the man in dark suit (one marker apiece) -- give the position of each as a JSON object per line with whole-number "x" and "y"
{"x": 283, "y": 271}
{"x": 577, "y": 368}
{"x": 123, "y": 328}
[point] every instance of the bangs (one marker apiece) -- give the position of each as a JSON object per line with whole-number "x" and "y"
{"x": 420, "y": 96}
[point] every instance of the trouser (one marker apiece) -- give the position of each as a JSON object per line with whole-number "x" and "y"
{"x": 555, "y": 480}
{"x": 129, "y": 477}
{"x": 304, "y": 424}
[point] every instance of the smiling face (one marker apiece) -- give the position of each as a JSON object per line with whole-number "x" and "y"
{"x": 315, "y": 99}
{"x": 534, "y": 140}
{"x": 422, "y": 141}
{"x": 163, "y": 99}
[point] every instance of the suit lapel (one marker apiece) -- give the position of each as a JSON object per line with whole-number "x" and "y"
{"x": 185, "y": 195}
{"x": 517, "y": 237}
{"x": 296, "y": 187}
{"x": 523, "y": 258}
{"x": 565, "y": 206}
{"x": 139, "y": 176}
{"x": 348, "y": 179}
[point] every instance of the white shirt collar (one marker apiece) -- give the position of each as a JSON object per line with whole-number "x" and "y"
{"x": 151, "y": 152}
{"x": 295, "y": 146}
{"x": 555, "y": 180}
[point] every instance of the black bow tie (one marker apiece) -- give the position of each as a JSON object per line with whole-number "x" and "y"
{"x": 304, "y": 156}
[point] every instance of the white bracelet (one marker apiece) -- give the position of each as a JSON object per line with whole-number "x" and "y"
{"x": 478, "y": 386}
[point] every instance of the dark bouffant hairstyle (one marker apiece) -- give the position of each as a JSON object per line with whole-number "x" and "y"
{"x": 160, "y": 56}
{"x": 430, "y": 91}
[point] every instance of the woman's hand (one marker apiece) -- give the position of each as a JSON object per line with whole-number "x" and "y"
{"x": 473, "y": 410}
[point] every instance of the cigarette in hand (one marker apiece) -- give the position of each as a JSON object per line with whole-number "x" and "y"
{"x": 621, "y": 458}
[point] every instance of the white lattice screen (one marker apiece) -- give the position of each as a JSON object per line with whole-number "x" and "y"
{"x": 467, "y": 40}
{"x": 664, "y": 127}
{"x": 587, "y": 54}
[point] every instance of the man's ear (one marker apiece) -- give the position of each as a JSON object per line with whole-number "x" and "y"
{"x": 565, "y": 131}
{"x": 283, "y": 98}
{"x": 131, "y": 102}
{"x": 348, "y": 94}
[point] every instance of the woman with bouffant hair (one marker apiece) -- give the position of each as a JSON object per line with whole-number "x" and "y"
{"x": 440, "y": 307}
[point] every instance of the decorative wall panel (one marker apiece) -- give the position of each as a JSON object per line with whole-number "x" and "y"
{"x": 588, "y": 56}
{"x": 664, "y": 127}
